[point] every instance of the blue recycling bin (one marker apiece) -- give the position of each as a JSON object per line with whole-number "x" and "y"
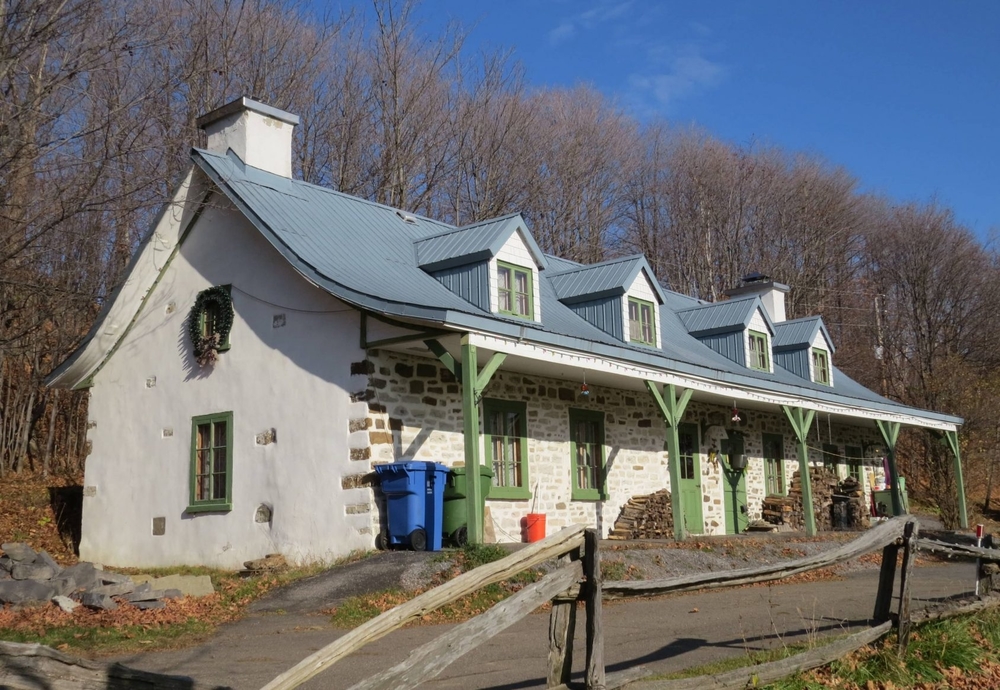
{"x": 414, "y": 503}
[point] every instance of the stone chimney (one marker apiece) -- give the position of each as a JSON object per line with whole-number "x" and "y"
{"x": 259, "y": 134}
{"x": 771, "y": 293}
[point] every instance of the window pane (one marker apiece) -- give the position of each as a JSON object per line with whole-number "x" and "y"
{"x": 647, "y": 323}
{"x": 503, "y": 281}
{"x": 220, "y": 435}
{"x": 209, "y": 319}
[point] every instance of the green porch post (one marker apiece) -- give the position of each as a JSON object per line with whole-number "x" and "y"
{"x": 672, "y": 408}
{"x": 890, "y": 434}
{"x": 474, "y": 382}
{"x": 470, "y": 429}
{"x": 963, "y": 515}
{"x": 801, "y": 420}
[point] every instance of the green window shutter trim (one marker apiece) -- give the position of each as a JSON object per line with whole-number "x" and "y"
{"x": 490, "y": 406}
{"x": 764, "y": 348}
{"x": 637, "y": 337}
{"x": 514, "y": 271}
{"x": 218, "y": 505}
{"x": 577, "y": 494}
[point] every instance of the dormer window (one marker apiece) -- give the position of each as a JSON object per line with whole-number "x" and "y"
{"x": 760, "y": 357}
{"x": 514, "y": 290}
{"x": 641, "y": 322}
{"x": 821, "y": 366}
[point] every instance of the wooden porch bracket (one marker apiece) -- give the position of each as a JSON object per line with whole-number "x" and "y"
{"x": 963, "y": 514}
{"x": 890, "y": 434}
{"x": 672, "y": 408}
{"x": 801, "y": 420}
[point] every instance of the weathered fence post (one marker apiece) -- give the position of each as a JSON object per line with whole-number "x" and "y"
{"x": 986, "y": 570}
{"x": 886, "y": 582}
{"x": 562, "y": 623}
{"x": 595, "y": 629}
{"x": 909, "y": 555}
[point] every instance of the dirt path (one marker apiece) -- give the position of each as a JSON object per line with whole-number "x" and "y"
{"x": 665, "y": 634}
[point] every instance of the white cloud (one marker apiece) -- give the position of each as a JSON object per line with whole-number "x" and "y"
{"x": 561, "y": 33}
{"x": 686, "y": 73}
{"x": 605, "y": 11}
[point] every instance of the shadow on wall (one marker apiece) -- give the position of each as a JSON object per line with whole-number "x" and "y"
{"x": 67, "y": 506}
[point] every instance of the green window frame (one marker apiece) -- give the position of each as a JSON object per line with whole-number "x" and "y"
{"x": 854, "y": 463}
{"x": 821, "y": 366}
{"x": 505, "y": 426}
{"x": 760, "y": 355}
{"x": 831, "y": 456}
{"x": 586, "y": 440}
{"x": 515, "y": 290}
{"x": 211, "y": 313}
{"x": 641, "y": 321}
{"x": 211, "y": 463}
{"x": 774, "y": 465}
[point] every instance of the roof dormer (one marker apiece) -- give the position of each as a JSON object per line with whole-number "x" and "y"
{"x": 620, "y": 296}
{"x": 738, "y": 329}
{"x": 493, "y": 264}
{"x": 804, "y": 348}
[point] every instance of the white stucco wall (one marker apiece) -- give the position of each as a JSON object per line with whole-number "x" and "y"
{"x": 515, "y": 251}
{"x": 294, "y": 378}
{"x": 642, "y": 289}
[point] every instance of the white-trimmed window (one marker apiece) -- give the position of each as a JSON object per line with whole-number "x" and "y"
{"x": 514, "y": 290}
{"x": 760, "y": 351}
{"x": 641, "y": 322}
{"x": 821, "y": 366}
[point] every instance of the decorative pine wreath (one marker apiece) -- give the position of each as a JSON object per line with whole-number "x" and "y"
{"x": 206, "y": 348}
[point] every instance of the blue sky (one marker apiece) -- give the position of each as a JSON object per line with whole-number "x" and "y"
{"x": 905, "y": 95}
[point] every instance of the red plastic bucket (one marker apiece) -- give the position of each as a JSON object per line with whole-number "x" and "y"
{"x": 534, "y": 527}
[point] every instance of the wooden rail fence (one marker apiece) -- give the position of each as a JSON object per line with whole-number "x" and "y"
{"x": 576, "y": 578}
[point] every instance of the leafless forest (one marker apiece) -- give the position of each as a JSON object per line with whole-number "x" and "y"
{"x": 97, "y": 113}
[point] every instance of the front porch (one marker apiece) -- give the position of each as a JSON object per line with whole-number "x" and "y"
{"x": 426, "y": 396}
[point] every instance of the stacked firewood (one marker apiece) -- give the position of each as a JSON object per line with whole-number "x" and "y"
{"x": 645, "y": 517}
{"x": 787, "y": 510}
{"x": 777, "y": 510}
{"x": 856, "y": 511}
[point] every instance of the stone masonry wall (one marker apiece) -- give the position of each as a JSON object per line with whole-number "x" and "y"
{"x": 412, "y": 409}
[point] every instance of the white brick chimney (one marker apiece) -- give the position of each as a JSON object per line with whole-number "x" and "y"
{"x": 771, "y": 293}
{"x": 259, "y": 134}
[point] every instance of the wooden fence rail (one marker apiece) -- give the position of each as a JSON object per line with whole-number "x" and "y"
{"x": 535, "y": 554}
{"x": 875, "y": 538}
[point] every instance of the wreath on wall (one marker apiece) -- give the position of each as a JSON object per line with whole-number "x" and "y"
{"x": 206, "y": 347}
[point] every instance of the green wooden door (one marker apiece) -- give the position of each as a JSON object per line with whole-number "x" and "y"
{"x": 691, "y": 478}
{"x": 735, "y": 483}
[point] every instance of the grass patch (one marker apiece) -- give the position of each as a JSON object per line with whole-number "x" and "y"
{"x": 360, "y": 609}
{"x": 956, "y": 653}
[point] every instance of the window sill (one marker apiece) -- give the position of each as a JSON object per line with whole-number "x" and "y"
{"x": 588, "y": 495}
{"x": 509, "y": 492}
{"x": 514, "y": 315}
{"x": 209, "y": 508}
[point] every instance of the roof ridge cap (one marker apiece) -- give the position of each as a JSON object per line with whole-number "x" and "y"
{"x": 328, "y": 190}
{"x": 599, "y": 264}
{"x": 462, "y": 228}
